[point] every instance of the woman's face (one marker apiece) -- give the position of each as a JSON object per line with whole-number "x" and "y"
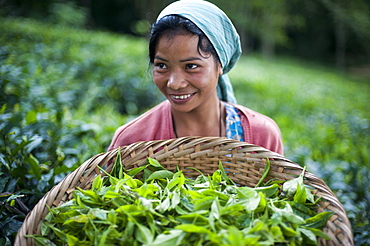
{"x": 187, "y": 78}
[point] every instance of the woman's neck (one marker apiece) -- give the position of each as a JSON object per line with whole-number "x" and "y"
{"x": 202, "y": 122}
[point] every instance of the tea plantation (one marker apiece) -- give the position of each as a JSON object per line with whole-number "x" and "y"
{"x": 64, "y": 91}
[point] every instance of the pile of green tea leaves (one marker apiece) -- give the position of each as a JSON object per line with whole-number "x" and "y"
{"x": 165, "y": 208}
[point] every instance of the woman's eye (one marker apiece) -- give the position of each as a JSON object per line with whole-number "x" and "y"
{"x": 161, "y": 65}
{"x": 191, "y": 66}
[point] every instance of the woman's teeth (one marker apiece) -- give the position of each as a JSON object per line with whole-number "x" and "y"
{"x": 181, "y": 97}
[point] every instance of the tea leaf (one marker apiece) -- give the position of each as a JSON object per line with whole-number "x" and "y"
{"x": 249, "y": 198}
{"x": 162, "y": 174}
{"x": 173, "y": 237}
{"x": 319, "y": 220}
{"x": 265, "y": 172}
{"x": 35, "y": 166}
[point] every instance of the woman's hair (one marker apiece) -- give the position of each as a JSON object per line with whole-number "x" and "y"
{"x": 172, "y": 25}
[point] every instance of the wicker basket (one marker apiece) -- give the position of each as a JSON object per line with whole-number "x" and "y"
{"x": 245, "y": 163}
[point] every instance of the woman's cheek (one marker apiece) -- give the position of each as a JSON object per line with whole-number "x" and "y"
{"x": 159, "y": 79}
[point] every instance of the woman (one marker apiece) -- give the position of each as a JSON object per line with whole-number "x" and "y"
{"x": 193, "y": 45}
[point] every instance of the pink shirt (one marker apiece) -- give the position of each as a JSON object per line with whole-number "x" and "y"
{"x": 157, "y": 124}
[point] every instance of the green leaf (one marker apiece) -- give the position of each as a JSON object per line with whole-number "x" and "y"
{"x": 31, "y": 117}
{"x": 287, "y": 231}
{"x": 317, "y": 232}
{"x": 269, "y": 191}
{"x": 143, "y": 234}
{"x": 147, "y": 190}
{"x": 3, "y": 182}
{"x": 171, "y": 238}
{"x": 301, "y": 210}
{"x": 164, "y": 205}
{"x": 117, "y": 169}
{"x": 97, "y": 183}
{"x": 129, "y": 181}
{"x": 59, "y": 233}
{"x": 277, "y": 233}
{"x": 262, "y": 204}
{"x": 290, "y": 187}
{"x": 162, "y": 174}
{"x": 265, "y": 172}
{"x": 300, "y": 195}
{"x": 112, "y": 217}
{"x": 178, "y": 179}
{"x": 72, "y": 240}
{"x": 192, "y": 218}
{"x": 214, "y": 193}
{"x": 82, "y": 218}
{"x": 155, "y": 163}
{"x": 175, "y": 199}
{"x": 232, "y": 209}
{"x": 19, "y": 147}
{"x": 235, "y": 237}
{"x": 217, "y": 177}
{"x": 308, "y": 236}
{"x": 319, "y": 220}
{"x": 309, "y": 196}
{"x": 248, "y": 197}
{"x": 203, "y": 203}
{"x": 147, "y": 173}
{"x": 110, "y": 194}
{"x": 35, "y": 166}
{"x": 12, "y": 197}
{"x": 136, "y": 170}
{"x": 129, "y": 230}
{"x": 224, "y": 175}
{"x": 41, "y": 241}
{"x": 215, "y": 209}
{"x": 293, "y": 218}
{"x": 191, "y": 228}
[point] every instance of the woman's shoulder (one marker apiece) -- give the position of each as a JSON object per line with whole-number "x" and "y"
{"x": 255, "y": 118}
{"x": 260, "y": 129}
{"x": 151, "y": 125}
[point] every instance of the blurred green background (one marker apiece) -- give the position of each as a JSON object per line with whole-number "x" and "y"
{"x": 72, "y": 72}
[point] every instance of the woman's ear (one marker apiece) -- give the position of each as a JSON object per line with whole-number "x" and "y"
{"x": 220, "y": 70}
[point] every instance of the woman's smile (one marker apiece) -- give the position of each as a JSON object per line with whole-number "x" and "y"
{"x": 183, "y": 98}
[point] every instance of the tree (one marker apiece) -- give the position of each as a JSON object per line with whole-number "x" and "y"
{"x": 260, "y": 23}
{"x": 351, "y": 19}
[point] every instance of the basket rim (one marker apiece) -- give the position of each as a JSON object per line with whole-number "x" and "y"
{"x": 184, "y": 146}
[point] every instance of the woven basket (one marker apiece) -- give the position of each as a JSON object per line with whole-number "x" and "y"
{"x": 245, "y": 163}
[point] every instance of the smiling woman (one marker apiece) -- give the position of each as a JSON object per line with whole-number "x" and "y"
{"x": 188, "y": 79}
{"x": 193, "y": 45}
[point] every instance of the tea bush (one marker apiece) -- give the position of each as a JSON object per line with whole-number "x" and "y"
{"x": 63, "y": 93}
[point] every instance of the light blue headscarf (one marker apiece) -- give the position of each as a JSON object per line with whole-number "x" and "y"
{"x": 219, "y": 30}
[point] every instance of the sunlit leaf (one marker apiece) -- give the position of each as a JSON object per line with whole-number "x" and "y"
{"x": 162, "y": 174}
{"x": 35, "y": 166}
{"x": 249, "y": 198}
{"x": 173, "y": 237}
{"x": 319, "y": 220}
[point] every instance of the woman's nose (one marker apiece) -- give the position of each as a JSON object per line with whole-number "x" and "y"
{"x": 177, "y": 80}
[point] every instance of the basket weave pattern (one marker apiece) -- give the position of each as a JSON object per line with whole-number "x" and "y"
{"x": 245, "y": 164}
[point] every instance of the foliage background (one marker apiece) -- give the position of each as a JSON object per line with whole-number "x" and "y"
{"x": 335, "y": 32}
{"x": 65, "y": 89}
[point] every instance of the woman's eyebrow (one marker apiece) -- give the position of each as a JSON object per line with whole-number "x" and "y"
{"x": 185, "y": 60}
{"x": 191, "y": 59}
{"x": 160, "y": 58}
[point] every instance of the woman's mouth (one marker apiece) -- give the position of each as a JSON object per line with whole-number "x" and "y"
{"x": 181, "y": 98}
